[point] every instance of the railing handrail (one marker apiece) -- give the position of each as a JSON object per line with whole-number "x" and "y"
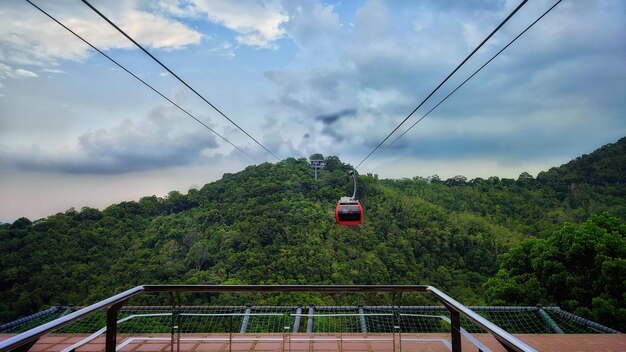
{"x": 498, "y": 309}
{"x": 287, "y": 288}
{"x": 500, "y": 334}
{"x": 36, "y": 332}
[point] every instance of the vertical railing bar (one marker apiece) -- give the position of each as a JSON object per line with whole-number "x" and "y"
{"x": 286, "y": 331}
{"x": 111, "y": 334}
{"x": 455, "y": 329}
{"x": 178, "y": 326}
{"x": 230, "y": 333}
{"x": 340, "y": 333}
{"x": 393, "y": 337}
{"x": 172, "y": 320}
{"x": 400, "y": 332}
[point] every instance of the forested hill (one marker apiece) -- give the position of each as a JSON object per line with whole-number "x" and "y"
{"x": 274, "y": 224}
{"x": 605, "y": 166}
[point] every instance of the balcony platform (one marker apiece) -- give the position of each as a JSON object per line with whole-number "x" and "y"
{"x": 411, "y": 342}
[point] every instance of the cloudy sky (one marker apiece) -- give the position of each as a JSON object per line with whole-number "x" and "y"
{"x": 301, "y": 77}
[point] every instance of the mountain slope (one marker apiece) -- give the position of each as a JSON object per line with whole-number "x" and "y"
{"x": 274, "y": 224}
{"x": 605, "y": 166}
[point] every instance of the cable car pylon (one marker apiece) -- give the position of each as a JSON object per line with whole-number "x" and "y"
{"x": 349, "y": 211}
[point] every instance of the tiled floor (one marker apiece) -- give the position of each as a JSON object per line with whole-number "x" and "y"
{"x": 310, "y": 343}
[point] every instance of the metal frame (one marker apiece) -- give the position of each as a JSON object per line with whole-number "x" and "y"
{"x": 317, "y": 165}
{"x": 353, "y": 173}
{"x": 114, "y": 303}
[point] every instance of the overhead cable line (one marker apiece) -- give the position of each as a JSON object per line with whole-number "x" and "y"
{"x": 140, "y": 80}
{"x": 473, "y": 74}
{"x": 445, "y": 80}
{"x": 176, "y": 76}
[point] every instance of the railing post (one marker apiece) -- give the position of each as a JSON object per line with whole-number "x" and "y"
{"x": 286, "y": 332}
{"x": 178, "y": 327}
{"x": 551, "y": 323}
{"x": 455, "y": 330}
{"x": 296, "y": 322}
{"x": 362, "y": 320}
{"x": 230, "y": 333}
{"x": 397, "y": 328}
{"x": 246, "y": 319}
{"x": 26, "y": 347}
{"x": 340, "y": 333}
{"x": 111, "y": 334}
{"x": 309, "y": 322}
{"x": 172, "y": 321}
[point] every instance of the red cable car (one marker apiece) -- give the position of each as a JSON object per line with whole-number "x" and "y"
{"x": 349, "y": 211}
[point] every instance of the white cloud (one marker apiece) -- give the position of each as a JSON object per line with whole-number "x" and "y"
{"x": 158, "y": 141}
{"x": 225, "y": 49}
{"x": 379, "y": 98}
{"x": 316, "y": 29}
{"x": 28, "y": 37}
{"x": 257, "y": 23}
{"x": 158, "y": 32}
{"x": 472, "y": 35}
{"x": 20, "y": 72}
{"x": 52, "y": 70}
{"x": 385, "y": 67}
{"x": 7, "y": 71}
{"x": 178, "y": 8}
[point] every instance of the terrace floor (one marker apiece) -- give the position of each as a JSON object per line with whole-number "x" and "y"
{"x": 326, "y": 342}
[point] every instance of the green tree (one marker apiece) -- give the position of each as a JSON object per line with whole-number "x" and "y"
{"x": 580, "y": 267}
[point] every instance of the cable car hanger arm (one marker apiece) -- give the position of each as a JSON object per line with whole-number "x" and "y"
{"x": 353, "y": 173}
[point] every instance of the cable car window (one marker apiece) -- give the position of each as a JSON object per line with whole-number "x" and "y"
{"x": 349, "y": 212}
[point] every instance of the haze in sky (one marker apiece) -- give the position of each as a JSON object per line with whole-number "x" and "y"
{"x": 303, "y": 77}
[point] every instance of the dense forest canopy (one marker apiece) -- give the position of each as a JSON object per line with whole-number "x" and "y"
{"x": 558, "y": 238}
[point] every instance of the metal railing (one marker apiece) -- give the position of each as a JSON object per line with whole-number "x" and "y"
{"x": 113, "y": 305}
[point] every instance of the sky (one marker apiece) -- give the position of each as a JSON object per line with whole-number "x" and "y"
{"x": 302, "y": 77}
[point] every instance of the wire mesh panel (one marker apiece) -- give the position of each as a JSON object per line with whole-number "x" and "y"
{"x": 332, "y": 320}
{"x": 86, "y": 325}
{"x": 424, "y": 321}
{"x": 380, "y": 321}
{"x": 210, "y": 319}
{"x": 270, "y": 319}
{"x": 325, "y": 319}
{"x": 517, "y": 322}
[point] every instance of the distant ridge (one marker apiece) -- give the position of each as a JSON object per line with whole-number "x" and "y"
{"x": 605, "y": 166}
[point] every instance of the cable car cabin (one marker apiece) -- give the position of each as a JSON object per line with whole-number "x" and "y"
{"x": 349, "y": 212}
